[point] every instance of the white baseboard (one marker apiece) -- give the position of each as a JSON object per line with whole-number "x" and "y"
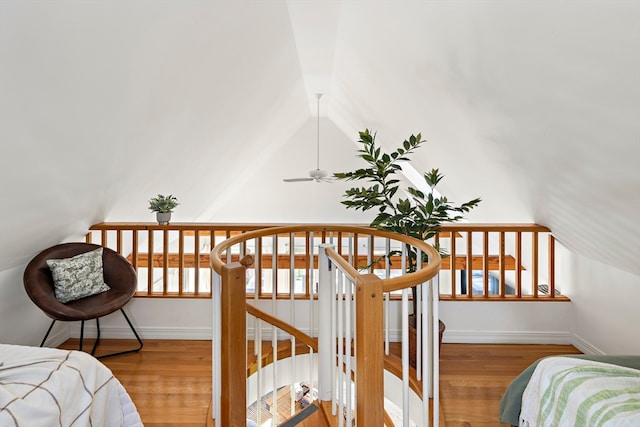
{"x": 54, "y": 340}
{"x": 160, "y": 333}
{"x": 459, "y": 337}
{"x": 504, "y": 337}
{"x": 585, "y": 346}
{"x": 471, "y": 337}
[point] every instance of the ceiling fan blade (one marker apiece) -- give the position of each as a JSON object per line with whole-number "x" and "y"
{"x": 297, "y": 179}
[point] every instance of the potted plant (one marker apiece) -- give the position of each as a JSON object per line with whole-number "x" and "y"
{"x": 419, "y": 215}
{"x": 163, "y": 206}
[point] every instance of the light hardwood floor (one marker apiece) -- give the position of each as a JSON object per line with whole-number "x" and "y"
{"x": 473, "y": 378}
{"x": 170, "y": 380}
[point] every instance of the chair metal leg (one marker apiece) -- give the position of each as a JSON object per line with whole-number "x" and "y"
{"x": 95, "y": 344}
{"x": 135, "y": 350}
{"x": 81, "y": 335}
{"x": 48, "y": 332}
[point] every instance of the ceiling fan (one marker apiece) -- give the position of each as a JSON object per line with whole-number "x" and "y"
{"x": 317, "y": 174}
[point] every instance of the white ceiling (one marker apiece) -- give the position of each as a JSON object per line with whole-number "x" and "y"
{"x": 532, "y": 105}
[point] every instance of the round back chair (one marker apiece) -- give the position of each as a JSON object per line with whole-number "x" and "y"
{"x": 118, "y": 274}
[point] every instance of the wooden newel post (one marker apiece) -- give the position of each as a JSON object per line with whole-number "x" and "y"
{"x": 233, "y": 366}
{"x": 370, "y": 351}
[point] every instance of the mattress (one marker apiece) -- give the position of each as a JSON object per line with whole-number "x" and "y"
{"x": 565, "y": 391}
{"x": 511, "y": 402}
{"x": 53, "y": 387}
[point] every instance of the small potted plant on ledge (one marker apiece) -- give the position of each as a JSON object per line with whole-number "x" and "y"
{"x": 163, "y": 206}
{"x": 418, "y": 215}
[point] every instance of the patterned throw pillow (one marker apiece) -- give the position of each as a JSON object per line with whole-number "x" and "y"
{"x": 78, "y": 277}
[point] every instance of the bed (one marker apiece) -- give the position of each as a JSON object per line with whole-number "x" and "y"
{"x": 593, "y": 390}
{"x": 53, "y": 387}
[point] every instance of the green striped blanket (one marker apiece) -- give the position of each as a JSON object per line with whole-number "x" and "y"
{"x": 566, "y": 391}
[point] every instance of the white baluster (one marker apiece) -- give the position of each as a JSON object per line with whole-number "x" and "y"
{"x": 405, "y": 357}
{"x": 311, "y": 290}
{"x": 426, "y": 355}
{"x": 435, "y": 292}
{"x": 347, "y": 327}
{"x": 292, "y": 316}
{"x": 259, "y": 371}
{"x": 216, "y": 347}
{"x": 418, "y": 316}
{"x": 256, "y": 287}
{"x": 405, "y": 344}
{"x": 274, "y": 337}
{"x": 326, "y": 349}
{"x": 387, "y": 274}
{"x": 340, "y": 346}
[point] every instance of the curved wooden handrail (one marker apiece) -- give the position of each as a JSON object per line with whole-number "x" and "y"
{"x": 393, "y": 365}
{"x": 391, "y": 284}
{"x": 342, "y": 262}
{"x": 369, "y": 306}
{"x": 388, "y": 422}
{"x": 299, "y": 335}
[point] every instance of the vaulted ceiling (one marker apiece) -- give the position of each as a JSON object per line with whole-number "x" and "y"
{"x": 532, "y": 105}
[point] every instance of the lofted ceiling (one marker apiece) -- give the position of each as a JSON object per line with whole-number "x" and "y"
{"x": 532, "y": 105}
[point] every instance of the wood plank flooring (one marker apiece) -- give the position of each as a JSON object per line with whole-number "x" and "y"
{"x": 170, "y": 380}
{"x": 473, "y": 378}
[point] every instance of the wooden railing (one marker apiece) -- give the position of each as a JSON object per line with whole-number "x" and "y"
{"x": 349, "y": 307}
{"x": 170, "y": 260}
{"x": 488, "y": 262}
{"x": 508, "y": 262}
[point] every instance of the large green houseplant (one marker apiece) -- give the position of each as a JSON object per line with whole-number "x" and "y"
{"x": 415, "y": 213}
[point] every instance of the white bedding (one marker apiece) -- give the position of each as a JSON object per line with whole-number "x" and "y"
{"x": 52, "y": 387}
{"x": 565, "y": 391}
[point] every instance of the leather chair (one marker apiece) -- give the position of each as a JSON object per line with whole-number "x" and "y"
{"x": 118, "y": 274}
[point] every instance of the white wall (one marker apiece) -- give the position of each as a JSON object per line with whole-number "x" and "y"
{"x": 606, "y": 329}
{"x": 466, "y": 322}
{"x": 96, "y": 95}
{"x": 612, "y": 328}
{"x": 21, "y": 322}
{"x": 507, "y": 322}
{"x": 606, "y": 317}
{"x": 156, "y": 318}
{"x": 531, "y": 105}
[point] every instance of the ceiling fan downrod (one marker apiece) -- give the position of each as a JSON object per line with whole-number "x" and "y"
{"x": 317, "y": 174}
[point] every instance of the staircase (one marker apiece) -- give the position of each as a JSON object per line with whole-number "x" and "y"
{"x": 356, "y": 382}
{"x": 314, "y": 414}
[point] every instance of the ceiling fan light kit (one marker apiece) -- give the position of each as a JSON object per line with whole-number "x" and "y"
{"x": 317, "y": 174}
